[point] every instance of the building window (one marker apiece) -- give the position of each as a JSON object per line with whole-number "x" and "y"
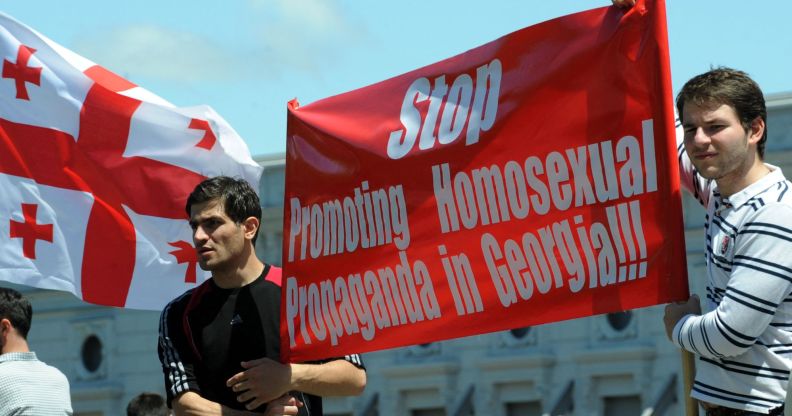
{"x": 428, "y": 412}
{"x": 520, "y": 333}
{"x": 616, "y": 326}
{"x": 620, "y": 320}
{"x": 523, "y": 409}
{"x": 89, "y": 340}
{"x": 515, "y": 338}
{"x": 92, "y": 353}
{"x": 422, "y": 350}
{"x": 622, "y": 405}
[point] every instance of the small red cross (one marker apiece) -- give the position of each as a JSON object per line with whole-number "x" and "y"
{"x": 21, "y": 72}
{"x": 29, "y": 231}
{"x": 209, "y": 138}
{"x": 185, "y": 253}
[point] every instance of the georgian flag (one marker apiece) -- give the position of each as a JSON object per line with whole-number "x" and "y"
{"x": 94, "y": 175}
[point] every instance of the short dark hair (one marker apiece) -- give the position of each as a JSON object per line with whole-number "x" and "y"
{"x": 731, "y": 87}
{"x": 16, "y": 308}
{"x": 239, "y": 200}
{"x": 147, "y": 404}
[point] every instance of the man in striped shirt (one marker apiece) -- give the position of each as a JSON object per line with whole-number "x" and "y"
{"x": 27, "y": 385}
{"x": 743, "y": 343}
{"x": 219, "y": 343}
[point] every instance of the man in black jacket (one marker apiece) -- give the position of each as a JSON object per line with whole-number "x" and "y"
{"x": 219, "y": 343}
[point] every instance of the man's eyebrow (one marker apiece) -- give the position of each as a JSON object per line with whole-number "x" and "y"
{"x": 706, "y": 121}
{"x": 204, "y": 219}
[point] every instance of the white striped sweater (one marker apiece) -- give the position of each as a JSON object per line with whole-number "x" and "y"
{"x": 744, "y": 341}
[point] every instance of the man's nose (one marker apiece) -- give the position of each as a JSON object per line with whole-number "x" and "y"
{"x": 700, "y": 137}
{"x": 199, "y": 235}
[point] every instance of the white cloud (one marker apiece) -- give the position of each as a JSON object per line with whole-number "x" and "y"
{"x": 319, "y": 15}
{"x": 279, "y": 36}
{"x": 304, "y": 34}
{"x": 158, "y": 52}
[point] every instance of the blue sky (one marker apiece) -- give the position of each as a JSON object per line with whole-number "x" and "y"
{"x": 247, "y": 58}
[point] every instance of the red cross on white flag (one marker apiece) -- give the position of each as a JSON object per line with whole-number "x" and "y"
{"x": 95, "y": 172}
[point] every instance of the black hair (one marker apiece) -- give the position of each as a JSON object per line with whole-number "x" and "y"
{"x": 16, "y": 308}
{"x": 239, "y": 200}
{"x": 731, "y": 87}
{"x": 147, "y": 404}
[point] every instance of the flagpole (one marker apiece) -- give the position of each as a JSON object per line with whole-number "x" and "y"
{"x": 688, "y": 372}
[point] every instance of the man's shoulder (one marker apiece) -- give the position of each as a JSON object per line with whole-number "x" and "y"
{"x": 270, "y": 280}
{"x": 267, "y": 290}
{"x": 772, "y": 211}
{"x": 55, "y": 373}
{"x": 179, "y": 303}
{"x": 772, "y": 201}
{"x": 768, "y": 222}
{"x": 28, "y": 363}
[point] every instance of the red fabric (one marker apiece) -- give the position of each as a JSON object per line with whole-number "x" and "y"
{"x": 576, "y": 116}
{"x": 275, "y": 275}
{"x": 95, "y": 171}
{"x": 95, "y": 163}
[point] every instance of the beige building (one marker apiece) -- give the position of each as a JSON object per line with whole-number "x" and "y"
{"x": 616, "y": 364}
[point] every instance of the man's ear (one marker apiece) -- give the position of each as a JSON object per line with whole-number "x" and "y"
{"x": 5, "y": 327}
{"x": 251, "y": 225}
{"x": 756, "y": 131}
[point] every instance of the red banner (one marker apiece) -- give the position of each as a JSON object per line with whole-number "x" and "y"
{"x": 527, "y": 181}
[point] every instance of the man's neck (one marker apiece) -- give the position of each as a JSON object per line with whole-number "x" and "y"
{"x": 741, "y": 179}
{"x": 14, "y": 345}
{"x": 239, "y": 277}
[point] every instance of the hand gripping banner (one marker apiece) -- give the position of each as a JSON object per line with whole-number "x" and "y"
{"x": 527, "y": 181}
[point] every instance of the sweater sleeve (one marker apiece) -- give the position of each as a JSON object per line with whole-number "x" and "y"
{"x": 174, "y": 352}
{"x": 760, "y": 280}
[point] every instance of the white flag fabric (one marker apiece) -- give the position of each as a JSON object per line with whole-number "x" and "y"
{"x": 94, "y": 175}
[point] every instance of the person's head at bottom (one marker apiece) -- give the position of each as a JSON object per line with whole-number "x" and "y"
{"x": 147, "y": 404}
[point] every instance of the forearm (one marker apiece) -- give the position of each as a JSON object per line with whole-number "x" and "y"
{"x": 756, "y": 292}
{"x": 334, "y": 378}
{"x": 192, "y": 404}
{"x": 718, "y": 335}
